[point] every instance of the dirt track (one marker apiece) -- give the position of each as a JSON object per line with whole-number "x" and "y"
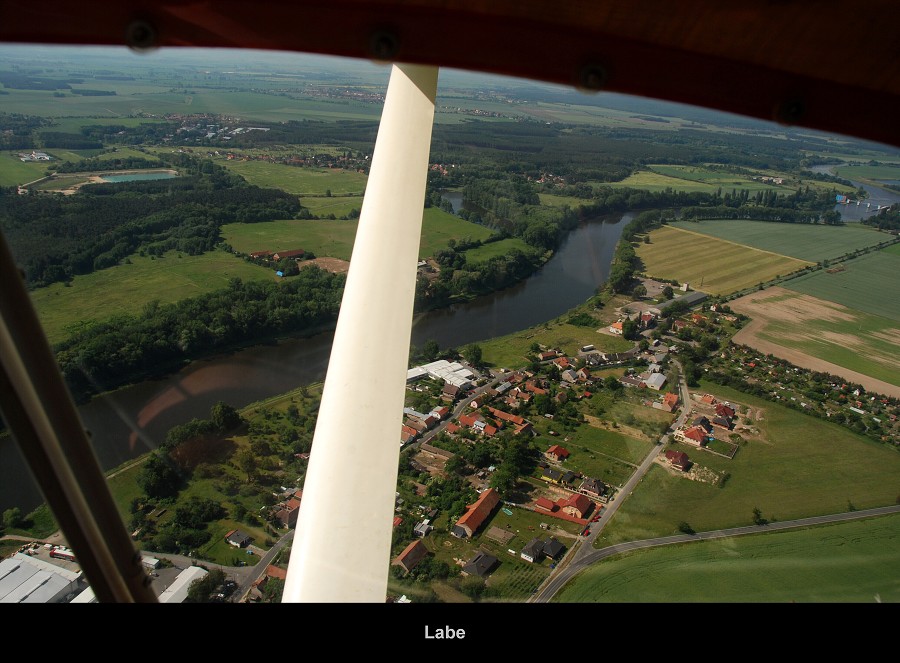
{"x": 761, "y": 315}
{"x": 334, "y": 265}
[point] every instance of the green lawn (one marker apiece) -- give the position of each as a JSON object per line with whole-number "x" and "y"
{"x": 127, "y": 288}
{"x": 709, "y": 264}
{"x": 795, "y": 240}
{"x": 803, "y": 467}
{"x": 855, "y": 286}
{"x": 854, "y": 562}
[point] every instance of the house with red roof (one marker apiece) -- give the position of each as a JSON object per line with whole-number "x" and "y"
{"x": 557, "y": 453}
{"x": 678, "y": 459}
{"x": 506, "y": 416}
{"x": 469, "y": 420}
{"x": 414, "y": 553}
{"x": 562, "y": 362}
{"x": 532, "y": 386}
{"x": 544, "y": 504}
{"x": 576, "y": 504}
{"x": 616, "y": 328}
{"x": 709, "y": 399}
{"x": 294, "y": 253}
{"x": 695, "y": 435}
{"x": 476, "y": 514}
{"x": 724, "y": 410}
{"x": 670, "y": 402}
{"x": 289, "y": 511}
{"x": 549, "y": 354}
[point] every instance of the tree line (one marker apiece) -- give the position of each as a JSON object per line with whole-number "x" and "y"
{"x": 103, "y": 355}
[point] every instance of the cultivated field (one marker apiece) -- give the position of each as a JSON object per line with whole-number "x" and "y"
{"x": 127, "y": 288}
{"x": 868, "y": 283}
{"x": 801, "y": 466}
{"x": 795, "y": 240}
{"x": 823, "y": 336}
{"x": 844, "y": 562}
{"x": 709, "y": 264}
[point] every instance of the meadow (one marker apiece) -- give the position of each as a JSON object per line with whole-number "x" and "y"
{"x": 500, "y": 248}
{"x": 335, "y": 238}
{"x": 802, "y": 466}
{"x": 853, "y": 562}
{"x": 301, "y": 180}
{"x": 512, "y": 350}
{"x": 605, "y": 455}
{"x": 712, "y": 265}
{"x": 870, "y": 173}
{"x": 711, "y": 179}
{"x": 128, "y": 287}
{"x": 795, "y": 240}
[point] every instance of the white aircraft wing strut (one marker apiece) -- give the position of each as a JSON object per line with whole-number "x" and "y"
{"x": 341, "y": 549}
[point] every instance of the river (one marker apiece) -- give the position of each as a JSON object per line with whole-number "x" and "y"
{"x": 877, "y": 197}
{"x": 131, "y": 421}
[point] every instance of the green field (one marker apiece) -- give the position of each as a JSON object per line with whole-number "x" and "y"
{"x": 871, "y": 173}
{"x": 795, "y": 240}
{"x": 13, "y": 171}
{"x": 802, "y": 467}
{"x": 868, "y": 283}
{"x": 709, "y": 264}
{"x": 134, "y": 98}
{"x": 845, "y": 562}
{"x": 127, "y": 288}
{"x": 550, "y": 200}
{"x": 710, "y": 179}
{"x": 299, "y": 180}
{"x": 324, "y": 206}
{"x": 335, "y": 238}
{"x": 605, "y": 455}
{"x": 500, "y": 248}
{"x": 893, "y": 250}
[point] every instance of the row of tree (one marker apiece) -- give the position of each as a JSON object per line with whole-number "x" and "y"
{"x": 104, "y": 355}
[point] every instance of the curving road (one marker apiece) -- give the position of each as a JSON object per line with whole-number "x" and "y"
{"x": 556, "y": 582}
{"x": 582, "y": 554}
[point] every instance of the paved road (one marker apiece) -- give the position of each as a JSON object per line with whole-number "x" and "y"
{"x": 558, "y": 581}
